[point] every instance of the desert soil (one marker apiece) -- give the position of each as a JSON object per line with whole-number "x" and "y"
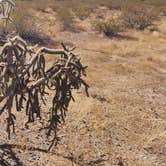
{"x": 122, "y": 123}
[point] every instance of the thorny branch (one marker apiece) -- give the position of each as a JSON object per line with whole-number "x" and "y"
{"x": 24, "y": 82}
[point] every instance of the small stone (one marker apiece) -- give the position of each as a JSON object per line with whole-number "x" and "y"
{"x": 155, "y": 33}
{"x": 48, "y": 10}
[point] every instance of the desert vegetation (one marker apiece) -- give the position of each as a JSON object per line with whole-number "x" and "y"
{"x": 18, "y": 76}
{"x": 110, "y": 27}
{"x": 17, "y": 82}
{"x": 45, "y": 116}
{"x": 135, "y": 14}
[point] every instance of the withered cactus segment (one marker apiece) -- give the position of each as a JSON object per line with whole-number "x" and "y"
{"x": 7, "y": 7}
{"x": 25, "y": 81}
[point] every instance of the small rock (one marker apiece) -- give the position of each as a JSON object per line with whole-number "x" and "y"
{"x": 48, "y": 10}
{"x": 155, "y": 33}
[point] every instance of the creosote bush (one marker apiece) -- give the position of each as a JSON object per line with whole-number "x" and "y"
{"x": 136, "y": 17}
{"x": 110, "y": 27}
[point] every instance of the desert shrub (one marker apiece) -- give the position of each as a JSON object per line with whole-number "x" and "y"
{"x": 82, "y": 12}
{"x": 138, "y": 17}
{"x": 66, "y": 18}
{"x": 109, "y": 27}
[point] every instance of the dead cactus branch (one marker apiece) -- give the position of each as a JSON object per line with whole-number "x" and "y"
{"x": 7, "y": 8}
{"x": 25, "y": 81}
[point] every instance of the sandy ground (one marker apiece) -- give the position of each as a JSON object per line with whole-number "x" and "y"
{"x": 122, "y": 123}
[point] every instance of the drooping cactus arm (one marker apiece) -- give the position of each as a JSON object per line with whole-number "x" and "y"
{"x": 29, "y": 81}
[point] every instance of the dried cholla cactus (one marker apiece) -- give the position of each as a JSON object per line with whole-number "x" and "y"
{"x": 6, "y": 9}
{"x": 25, "y": 82}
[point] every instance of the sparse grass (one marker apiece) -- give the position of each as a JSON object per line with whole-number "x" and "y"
{"x": 41, "y": 4}
{"x": 134, "y": 15}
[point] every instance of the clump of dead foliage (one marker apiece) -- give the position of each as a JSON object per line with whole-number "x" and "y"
{"x": 25, "y": 82}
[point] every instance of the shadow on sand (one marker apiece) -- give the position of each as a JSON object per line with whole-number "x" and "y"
{"x": 123, "y": 37}
{"x": 8, "y": 156}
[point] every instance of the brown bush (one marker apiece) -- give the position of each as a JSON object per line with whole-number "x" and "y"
{"x": 138, "y": 17}
{"x": 110, "y": 27}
